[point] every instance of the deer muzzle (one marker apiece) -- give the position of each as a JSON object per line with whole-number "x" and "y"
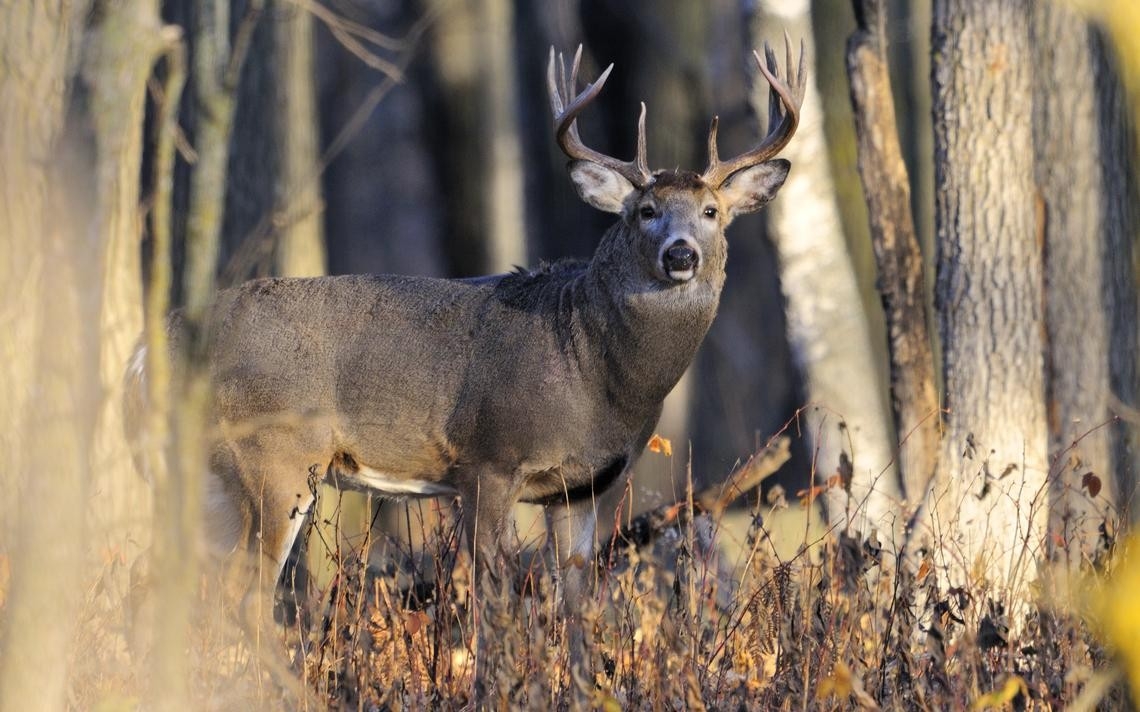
{"x": 680, "y": 261}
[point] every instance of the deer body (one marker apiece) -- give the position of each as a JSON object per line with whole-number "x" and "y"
{"x": 540, "y": 386}
{"x": 532, "y": 386}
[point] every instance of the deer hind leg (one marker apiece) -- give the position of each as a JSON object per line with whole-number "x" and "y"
{"x": 262, "y": 506}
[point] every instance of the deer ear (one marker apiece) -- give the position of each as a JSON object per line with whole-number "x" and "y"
{"x": 601, "y": 187}
{"x": 750, "y": 189}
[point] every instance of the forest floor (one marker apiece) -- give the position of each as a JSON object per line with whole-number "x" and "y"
{"x": 762, "y": 610}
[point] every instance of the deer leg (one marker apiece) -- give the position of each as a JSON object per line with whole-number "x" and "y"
{"x": 265, "y": 498}
{"x": 487, "y": 503}
{"x": 571, "y": 528}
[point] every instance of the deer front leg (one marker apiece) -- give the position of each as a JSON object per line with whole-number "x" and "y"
{"x": 487, "y": 502}
{"x": 571, "y": 529}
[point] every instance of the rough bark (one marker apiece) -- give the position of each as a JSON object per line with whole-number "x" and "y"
{"x": 901, "y": 283}
{"x": 846, "y": 415}
{"x": 989, "y": 499}
{"x": 49, "y": 380}
{"x": 1070, "y": 184}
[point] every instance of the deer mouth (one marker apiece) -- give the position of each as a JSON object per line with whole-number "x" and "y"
{"x": 680, "y": 261}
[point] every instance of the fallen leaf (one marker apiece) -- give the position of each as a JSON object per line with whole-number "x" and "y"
{"x": 1013, "y": 686}
{"x": 661, "y": 445}
{"x": 1091, "y": 482}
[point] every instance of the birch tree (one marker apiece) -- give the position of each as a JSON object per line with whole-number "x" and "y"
{"x": 846, "y": 417}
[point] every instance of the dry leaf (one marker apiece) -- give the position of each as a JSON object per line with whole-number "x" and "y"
{"x": 1091, "y": 482}
{"x": 923, "y": 570}
{"x": 661, "y": 445}
{"x": 1011, "y": 689}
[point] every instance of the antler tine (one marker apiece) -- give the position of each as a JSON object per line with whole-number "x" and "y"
{"x": 784, "y": 103}
{"x": 566, "y": 107}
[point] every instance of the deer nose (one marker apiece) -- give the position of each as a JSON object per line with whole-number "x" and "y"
{"x": 680, "y": 261}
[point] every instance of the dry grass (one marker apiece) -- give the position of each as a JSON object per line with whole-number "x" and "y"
{"x": 765, "y": 613}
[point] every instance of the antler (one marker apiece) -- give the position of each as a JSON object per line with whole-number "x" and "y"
{"x": 566, "y": 110}
{"x": 784, "y": 101}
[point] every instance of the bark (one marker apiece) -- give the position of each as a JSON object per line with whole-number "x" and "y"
{"x": 901, "y": 283}
{"x": 300, "y": 244}
{"x": 49, "y": 317}
{"x": 988, "y": 501}
{"x": 1070, "y": 183}
{"x": 121, "y": 51}
{"x": 846, "y": 414}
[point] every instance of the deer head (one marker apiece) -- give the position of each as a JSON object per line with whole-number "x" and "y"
{"x": 677, "y": 218}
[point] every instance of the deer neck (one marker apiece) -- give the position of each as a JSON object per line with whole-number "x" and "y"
{"x": 647, "y": 333}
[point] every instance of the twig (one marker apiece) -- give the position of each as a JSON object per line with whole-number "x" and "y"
{"x": 647, "y": 527}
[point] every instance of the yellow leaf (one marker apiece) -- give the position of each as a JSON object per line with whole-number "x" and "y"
{"x": 1012, "y": 687}
{"x": 839, "y": 684}
{"x": 661, "y": 445}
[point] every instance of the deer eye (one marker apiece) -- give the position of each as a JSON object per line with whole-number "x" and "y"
{"x": 710, "y": 212}
{"x": 647, "y": 212}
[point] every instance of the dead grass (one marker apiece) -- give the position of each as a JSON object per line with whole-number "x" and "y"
{"x": 743, "y": 618}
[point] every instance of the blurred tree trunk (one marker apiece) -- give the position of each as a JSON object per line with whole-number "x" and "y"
{"x": 914, "y": 398}
{"x": 659, "y": 57}
{"x": 51, "y": 383}
{"x": 989, "y": 498}
{"x": 846, "y": 416}
{"x": 1071, "y": 183}
{"x": 121, "y": 52}
{"x": 745, "y": 384}
{"x": 40, "y": 43}
{"x": 300, "y": 244}
{"x": 479, "y": 154}
{"x": 909, "y": 56}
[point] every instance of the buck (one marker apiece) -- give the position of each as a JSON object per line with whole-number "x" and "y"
{"x": 536, "y": 386}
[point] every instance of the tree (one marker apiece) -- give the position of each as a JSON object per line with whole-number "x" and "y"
{"x": 59, "y": 191}
{"x": 1073, "y": 126}
{"x": 846, "y": 418}
{"x": 988, "y": 502}
{"x": 914, "y": 400}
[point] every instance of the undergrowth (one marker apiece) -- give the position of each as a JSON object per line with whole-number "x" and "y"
{"x": 686, "y": 624}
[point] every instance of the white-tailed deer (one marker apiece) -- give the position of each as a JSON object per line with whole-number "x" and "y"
{"x": 536, "y": 386}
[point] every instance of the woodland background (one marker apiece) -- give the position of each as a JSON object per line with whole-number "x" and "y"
{"x": 414, "y": 137}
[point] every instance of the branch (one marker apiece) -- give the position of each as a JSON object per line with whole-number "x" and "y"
{"x": 713, "y": 500}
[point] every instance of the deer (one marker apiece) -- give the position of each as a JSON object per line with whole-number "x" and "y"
{"x": 540, "y": 386}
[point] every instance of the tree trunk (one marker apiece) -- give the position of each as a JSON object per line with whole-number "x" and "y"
{"x": 479, "y": 153}
{"x": 846, "y": 416}
{"x": 301, "y": 244}
{"x": 658, "y": 52}
{"x": 121, "y": 52}
{"x": 1070, "y": 184}
{"x": 50, "y": 382}
{"x": 989, "y": 497}
{"x": 886, "y": 185}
